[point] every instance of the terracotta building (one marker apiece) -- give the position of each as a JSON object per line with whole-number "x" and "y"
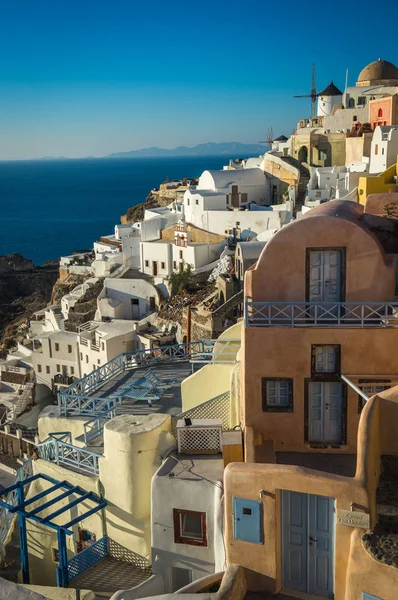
{"x": 319, "y": 340}
{"x": 383, "y": 111}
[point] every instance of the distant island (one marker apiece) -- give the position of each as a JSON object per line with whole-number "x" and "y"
{"x": 230, "y": 149}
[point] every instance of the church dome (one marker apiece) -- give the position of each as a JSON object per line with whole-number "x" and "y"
{"x": 379, "y": 72}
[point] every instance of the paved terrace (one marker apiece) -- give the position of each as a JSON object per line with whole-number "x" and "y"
{"x": 170, "y": 401}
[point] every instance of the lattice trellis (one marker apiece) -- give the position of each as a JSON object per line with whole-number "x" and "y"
{"x": 216, "y": 408}
{"x": 194, "y": 439}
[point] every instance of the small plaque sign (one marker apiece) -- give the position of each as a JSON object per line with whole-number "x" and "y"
{"x": 353, "y": 518}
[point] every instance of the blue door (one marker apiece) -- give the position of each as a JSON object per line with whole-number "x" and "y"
{"x": 248, "y": 525}
{"x": 308, "y": 543}
{"x": 325, "y": 405}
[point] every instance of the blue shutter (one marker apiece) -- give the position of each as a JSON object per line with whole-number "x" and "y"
{"x": 248, "y": 525}
{"x": 366, "y": 596}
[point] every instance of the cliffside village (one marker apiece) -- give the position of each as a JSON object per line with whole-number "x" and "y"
{"x": 246, "y": 442}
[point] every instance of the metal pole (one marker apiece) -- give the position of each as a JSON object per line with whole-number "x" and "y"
{"x": 63, "y": 578}
{"x": 23, "y": 540}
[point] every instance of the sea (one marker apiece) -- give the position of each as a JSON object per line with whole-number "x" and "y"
{"x": 50, "y": 208}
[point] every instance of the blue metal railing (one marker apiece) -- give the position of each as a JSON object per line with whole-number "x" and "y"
{"x": 75, "y": 400}
{"x": 95, "y": 426}
{"x": 6, "y": 517}
{"x": 320, "y": 314}
{"x": 65, "y": 453}
{"x": 88, "y": 558}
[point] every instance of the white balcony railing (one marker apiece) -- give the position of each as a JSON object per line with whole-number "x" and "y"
{"x": 322, "y": 314}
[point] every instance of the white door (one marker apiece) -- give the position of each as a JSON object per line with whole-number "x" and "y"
{"x": 325, "y": 405}
{"x": 325, "y": 276}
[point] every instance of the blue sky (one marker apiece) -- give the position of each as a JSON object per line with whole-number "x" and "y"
{"x": 84, "y": 77}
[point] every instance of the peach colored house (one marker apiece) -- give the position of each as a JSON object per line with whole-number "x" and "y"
{"x": 383, "y": 111}
{"x": 320, "y": 337}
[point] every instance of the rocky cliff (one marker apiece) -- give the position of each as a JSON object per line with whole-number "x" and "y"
{"x": 24, "y": 289}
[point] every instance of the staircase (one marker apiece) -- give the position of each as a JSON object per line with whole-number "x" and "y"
{"x": 303, "y": 181}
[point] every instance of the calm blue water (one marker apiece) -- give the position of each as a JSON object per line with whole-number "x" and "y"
{"x": 51, "y": 208}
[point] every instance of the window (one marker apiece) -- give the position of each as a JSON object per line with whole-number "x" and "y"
{"x": 86, "y": 358}
{"x": 227, "y": 198}
{"x": 190, "y": 527}
{"x": 277, "y": 395}
{"x": 361, "y": 101}
{"x": 56, "y": 347}
{"x": 86, "y": 539}
{"x": 325, "y": 359}
{"x": 81, "y": 355}
{"x": 55, "y": 557}
{"x": 58, "y": 369}
{"x": 103, "y": 345}
{"x": 39, "y": 368}
{"x": 174, "y": 265}
{"x": 376, "y": 149}
{"x": 72, "y": 370}
{"x": 355, "y": 118}
{"x": 163, "y": 265}
{"x": 322, "y": 154}
{"x": 69, "y": 349}
{"x": 180, "y": 578}
{"x": 98, "y": 362}
{"x": 93, "y": 367}
{"x": 196, "y": 201}
{"x": 382, "y": 151}
{"x": 380, "y": 113}
{"x": 351, "y": 103}
{"x": 370, "y": 388}
{"x": 188, "y": 202}
{"x": 147, "y": 263}
{"x": 180, "y": 253}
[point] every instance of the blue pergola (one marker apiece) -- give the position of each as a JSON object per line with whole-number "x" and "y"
{"x": 21, "y": 508}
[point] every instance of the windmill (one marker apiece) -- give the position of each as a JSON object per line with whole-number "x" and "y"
{"x": 270, "y": 138}
{"x": 312, "y": 94}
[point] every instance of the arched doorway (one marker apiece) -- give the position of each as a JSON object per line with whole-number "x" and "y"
{"x": 303, "y": 154}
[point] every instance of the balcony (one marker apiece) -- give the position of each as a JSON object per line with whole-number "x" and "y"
{"x": 322, "y": 314}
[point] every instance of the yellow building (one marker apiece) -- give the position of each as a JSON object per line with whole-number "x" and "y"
{"x": 378, "y": 184}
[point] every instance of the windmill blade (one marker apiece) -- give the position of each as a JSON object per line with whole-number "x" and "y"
{"x": 304, "y": 96}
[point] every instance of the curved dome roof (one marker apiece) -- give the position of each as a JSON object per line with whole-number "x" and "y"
{"x": 378, "y": 70}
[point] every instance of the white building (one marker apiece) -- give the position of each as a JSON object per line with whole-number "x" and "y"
{"x": 230, "y": 188}
{"x": 323, "y": 184}
{"x": 328, "y": 99}
{"x": 246, "y": 255}
{"x": 127, "y": 298}
{"x": 233, "y": 199}
{"x": 282, "y": 145}
{"x": 187, "y": 519}
{"x": 162, "y": 257}
{"x": 16, "y": 387}
{"x": 69, "y": 300}
{"x": 55, "y": 354}
{"x": 384, "y": 148}
{"x": 100, "y": 342}
{"x": 78, "y": 263}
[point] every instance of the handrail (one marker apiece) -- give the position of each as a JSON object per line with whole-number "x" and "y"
{"x": 325, "y": 314}
{"x": 90, "y": 556}
{"x": 63, "y": 453}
